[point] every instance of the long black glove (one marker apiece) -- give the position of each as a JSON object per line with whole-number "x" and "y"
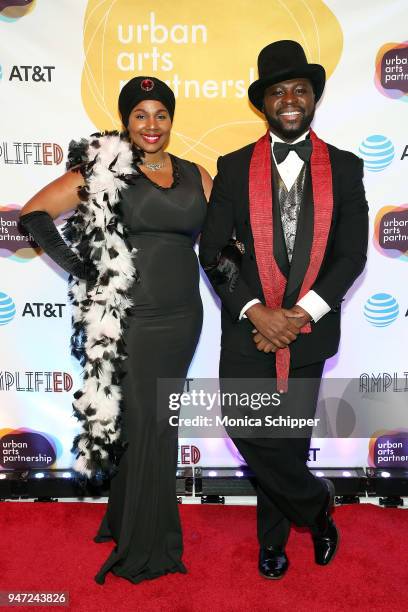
{"x": 41, "y": 226}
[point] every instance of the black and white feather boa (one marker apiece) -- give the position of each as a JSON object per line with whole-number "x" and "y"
{"x": 96, "y": 233}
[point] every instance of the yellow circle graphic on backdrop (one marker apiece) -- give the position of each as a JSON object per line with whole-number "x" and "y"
{"x": 207, "y": 52}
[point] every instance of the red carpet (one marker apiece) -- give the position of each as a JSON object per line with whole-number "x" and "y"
{"x": 48, "y": 546}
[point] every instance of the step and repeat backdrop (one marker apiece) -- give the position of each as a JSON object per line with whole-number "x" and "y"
{"x": 62, "y": 64}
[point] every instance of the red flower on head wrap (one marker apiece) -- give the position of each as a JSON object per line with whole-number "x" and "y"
{"x": 147, "y": 85}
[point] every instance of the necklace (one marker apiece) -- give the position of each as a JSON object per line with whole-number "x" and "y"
{"x": 176, "y": 174}
{"x": 154, "y": 165}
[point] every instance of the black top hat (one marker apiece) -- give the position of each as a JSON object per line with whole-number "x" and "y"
{"x": 280, "y": 61}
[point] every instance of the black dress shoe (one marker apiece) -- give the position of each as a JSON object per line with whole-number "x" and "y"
{"x": 273, "y": 562}
{"x": 324, "y": 532}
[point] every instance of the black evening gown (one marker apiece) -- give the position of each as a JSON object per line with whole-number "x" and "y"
{"x": 142, "y": 515}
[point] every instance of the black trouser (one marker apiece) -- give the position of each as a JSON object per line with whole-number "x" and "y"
{"x": 286, "y": 490}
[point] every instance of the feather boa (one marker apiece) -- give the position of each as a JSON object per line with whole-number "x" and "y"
{"x": 96, "y": 233}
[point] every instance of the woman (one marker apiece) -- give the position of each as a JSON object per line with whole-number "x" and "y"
{"x": 132, "y": 236}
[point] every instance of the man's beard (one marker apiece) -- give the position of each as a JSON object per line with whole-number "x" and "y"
{"x": 290, "y": 134}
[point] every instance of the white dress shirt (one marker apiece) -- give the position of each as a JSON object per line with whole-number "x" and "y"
{"x": 289, "y": 171}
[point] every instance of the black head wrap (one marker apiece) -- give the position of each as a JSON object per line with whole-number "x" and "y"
{"x": 144, "y": 88}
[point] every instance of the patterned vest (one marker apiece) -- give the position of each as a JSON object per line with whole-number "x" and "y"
{"x": 289, "y": 205}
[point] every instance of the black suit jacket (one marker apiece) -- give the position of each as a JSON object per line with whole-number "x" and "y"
{"x": 343, "y": 261}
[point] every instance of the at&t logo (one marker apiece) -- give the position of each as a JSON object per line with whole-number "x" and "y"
{"x": 377, "y": 152}
{"x": 49, "y": 310}
{"x": 381, "y": 309}
{"x": 25, "y": 74}
{"x": 7, "y": 309}
{"x": 41, "y": 309}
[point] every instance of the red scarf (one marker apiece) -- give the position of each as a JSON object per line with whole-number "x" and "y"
{"x": 260, "y": 207}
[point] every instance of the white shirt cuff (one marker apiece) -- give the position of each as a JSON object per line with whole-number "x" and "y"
{"x": 242, "y": 314}
{"x": 314, "y": 305}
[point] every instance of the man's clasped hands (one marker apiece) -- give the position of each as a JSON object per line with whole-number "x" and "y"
{"x": 276, "y": 328}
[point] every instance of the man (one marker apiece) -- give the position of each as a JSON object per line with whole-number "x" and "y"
{"x": 299, "y": 213}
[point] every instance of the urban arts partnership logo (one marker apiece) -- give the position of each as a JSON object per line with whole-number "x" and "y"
{"x": 14, "y": 244}
{"x": 377, "y": 152}
{"x": 391, "y": 71}
{"x": 125, "y": 38}
{"x": 381, "y": 309}
{"x": 24, "y": 448}
{"x": 391, "y": 232}
{"x": 7, "y": 309}
{"x": 11, "y": 10}
{"x": 389, "y": 449}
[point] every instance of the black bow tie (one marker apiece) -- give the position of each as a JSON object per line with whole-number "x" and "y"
{"x": 302, "y": 148}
